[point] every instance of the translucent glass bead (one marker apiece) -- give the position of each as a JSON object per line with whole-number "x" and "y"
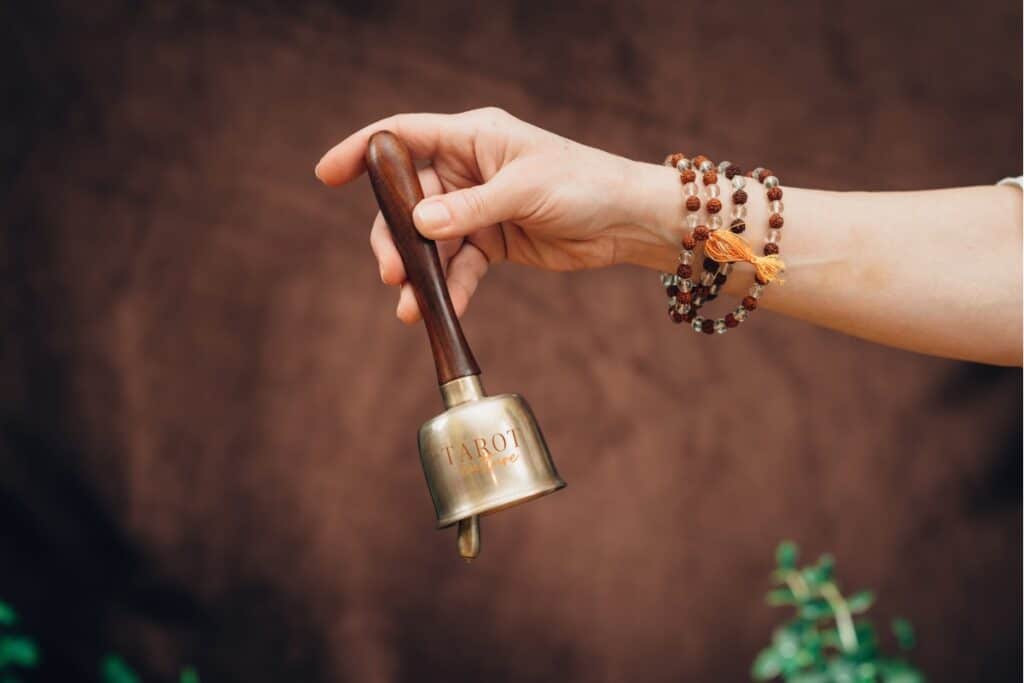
{"x": 720, "y": 327}
{"x": 697, "y": 324}
{"x": 683, "y": 308}
{"x": 771, "y": 181}
{"x": 777, "y": 206}
{"x": 684, "y": 164}
{"x": 739, "y": 210}
{"x": 686, "y": 257}
{"x": 706, "y": 278}
{"x": 740, "y": 313}
{"x": 715, "y": 222}
{"x": 756, "y": 289}
{"x": 685, "y": 285}
{"x": 739, "y": 182}
{"x": 692, "y": 221}
{"x": 723, "y": 166}
{"x": 713, "y": 190}
{"x": 690, "y": 189}
{"x": 774, "y": 236}
{"x": 756, "y": 172}
{"x": 667, "y": 279}
{"x": 725, "y": 268}
{"x": 706, "y": 166}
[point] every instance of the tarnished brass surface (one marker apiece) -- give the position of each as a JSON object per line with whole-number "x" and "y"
{"x": 483, "y": 453}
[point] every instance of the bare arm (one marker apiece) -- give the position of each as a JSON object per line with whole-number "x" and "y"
{"x": 938, "y": 272}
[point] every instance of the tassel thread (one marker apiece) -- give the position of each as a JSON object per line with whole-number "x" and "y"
{"x": 727, "y": 247}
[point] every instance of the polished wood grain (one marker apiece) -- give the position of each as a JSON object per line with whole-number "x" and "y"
{"x": 398, "y": 190}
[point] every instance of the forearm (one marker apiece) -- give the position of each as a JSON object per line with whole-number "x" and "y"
{"x": 937, "y": 272}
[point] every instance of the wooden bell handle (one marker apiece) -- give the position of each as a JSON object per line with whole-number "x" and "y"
{"x": 398, "y": 190}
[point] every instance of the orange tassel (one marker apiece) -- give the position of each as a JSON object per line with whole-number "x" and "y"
{"x": 727, "y": 247}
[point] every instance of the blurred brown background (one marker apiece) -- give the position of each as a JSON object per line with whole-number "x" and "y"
{"x": 209, "y": 411}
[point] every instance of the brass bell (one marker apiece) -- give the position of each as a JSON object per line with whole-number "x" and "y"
{"x": 484, "y": 453}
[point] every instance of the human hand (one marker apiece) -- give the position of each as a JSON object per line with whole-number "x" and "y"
{"x": 499, "y": 188}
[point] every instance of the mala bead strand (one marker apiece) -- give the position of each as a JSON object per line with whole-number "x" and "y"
{"x": 721, "y": 248}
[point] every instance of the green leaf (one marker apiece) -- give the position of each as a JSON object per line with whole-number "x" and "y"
{"x": 860, "y": 602}
{"x": 781, "y": 596}
{"x": 189, "y": 676}
{"x": 786, "y": 555}
{"x": 904, "y": 632}
{"x": 815, "y": 609}
{"x": 896, "y": 671}
{"x": 767, "y": 666}
{"x": 18, "y": 651}
{"x": 809, "y": 677}
{"x": 842, "y": 671}
{"x": 113, "y": 669}
{"x": 8, "y": 617}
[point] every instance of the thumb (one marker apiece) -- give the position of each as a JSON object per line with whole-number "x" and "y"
{"x": 465, "y": 211}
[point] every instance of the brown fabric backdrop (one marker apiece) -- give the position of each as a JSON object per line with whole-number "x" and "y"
{"x": 209, "y": 410}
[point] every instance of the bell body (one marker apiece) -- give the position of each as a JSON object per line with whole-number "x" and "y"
{"x": 483, "y": 454}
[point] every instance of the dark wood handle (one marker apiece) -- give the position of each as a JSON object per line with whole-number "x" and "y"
{"x": 398, "y": 190}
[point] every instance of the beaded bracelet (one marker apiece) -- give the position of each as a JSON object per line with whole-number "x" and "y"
{"x": 723, "y": 248}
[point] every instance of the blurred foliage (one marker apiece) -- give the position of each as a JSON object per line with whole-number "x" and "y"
{"x": 828, "y": 640}
{"x": 20, "y": 658}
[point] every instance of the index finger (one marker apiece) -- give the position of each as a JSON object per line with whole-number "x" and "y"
{"x": 422, "y": 134}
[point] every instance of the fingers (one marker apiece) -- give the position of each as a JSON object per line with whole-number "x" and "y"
{"x": 465, "y": 211}
{"x": 465, "y": 270}
{"x": 422, "y": 134}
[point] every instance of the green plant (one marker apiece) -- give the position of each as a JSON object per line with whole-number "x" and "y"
{"x": 19, "y": 657}
{"x": 825, "y": 641}
{"x": 18, "y": 654}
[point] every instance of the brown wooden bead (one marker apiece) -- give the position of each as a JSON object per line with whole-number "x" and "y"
{"x": 738, "y": 226}
{"x": 731, "y": 321}
{"x": 771, "y": 248}
{"x": 749, "y": 303}
{"x": 710, "y": 178}
{"x": 684, "y": 271}
{"x": 672, "y": 290}
{"x": 720, "y": 279}
{"x": 688, "y": 176}
{"x": 739, "y": 197}
{"x": 775, "y": 220}
{"x": 732, "y": 171}
{"x": 689, "y": 242}
{"x": 701, "y": 232}
{"x": 675, "y": 316}
{"x": 689, "y": 316}
{"x": 714, "y": 205}
{"x": 693, "y": 203}
{"x": 775, "y": 194}
{"x": 684, "y": 297}
{"x": 765, "y": 172}
{"x": 708, "y": 326}
{"x": 700, "y": 291}
{"x": 673, "y": 159}
{"x": 698, "y": 160}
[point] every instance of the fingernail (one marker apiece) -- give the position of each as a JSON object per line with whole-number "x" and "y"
{"x": 431, "y": 215}
{"x": 316, "y": 172}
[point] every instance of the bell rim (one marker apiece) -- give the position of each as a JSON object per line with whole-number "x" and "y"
{"x": 501, "y": 503}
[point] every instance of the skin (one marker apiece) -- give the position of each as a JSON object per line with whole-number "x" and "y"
{"x": 937, "y": 272}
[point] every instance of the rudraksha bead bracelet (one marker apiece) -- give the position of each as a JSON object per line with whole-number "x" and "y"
{"x": 722, "y": 248}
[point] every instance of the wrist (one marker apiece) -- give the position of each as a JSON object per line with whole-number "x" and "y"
{"x": 652, "y": 220}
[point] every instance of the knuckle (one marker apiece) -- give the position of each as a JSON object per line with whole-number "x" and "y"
{"x": 474, "y": 202}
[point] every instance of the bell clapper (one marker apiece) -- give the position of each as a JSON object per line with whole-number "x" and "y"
{"x": 468, "y": 540}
